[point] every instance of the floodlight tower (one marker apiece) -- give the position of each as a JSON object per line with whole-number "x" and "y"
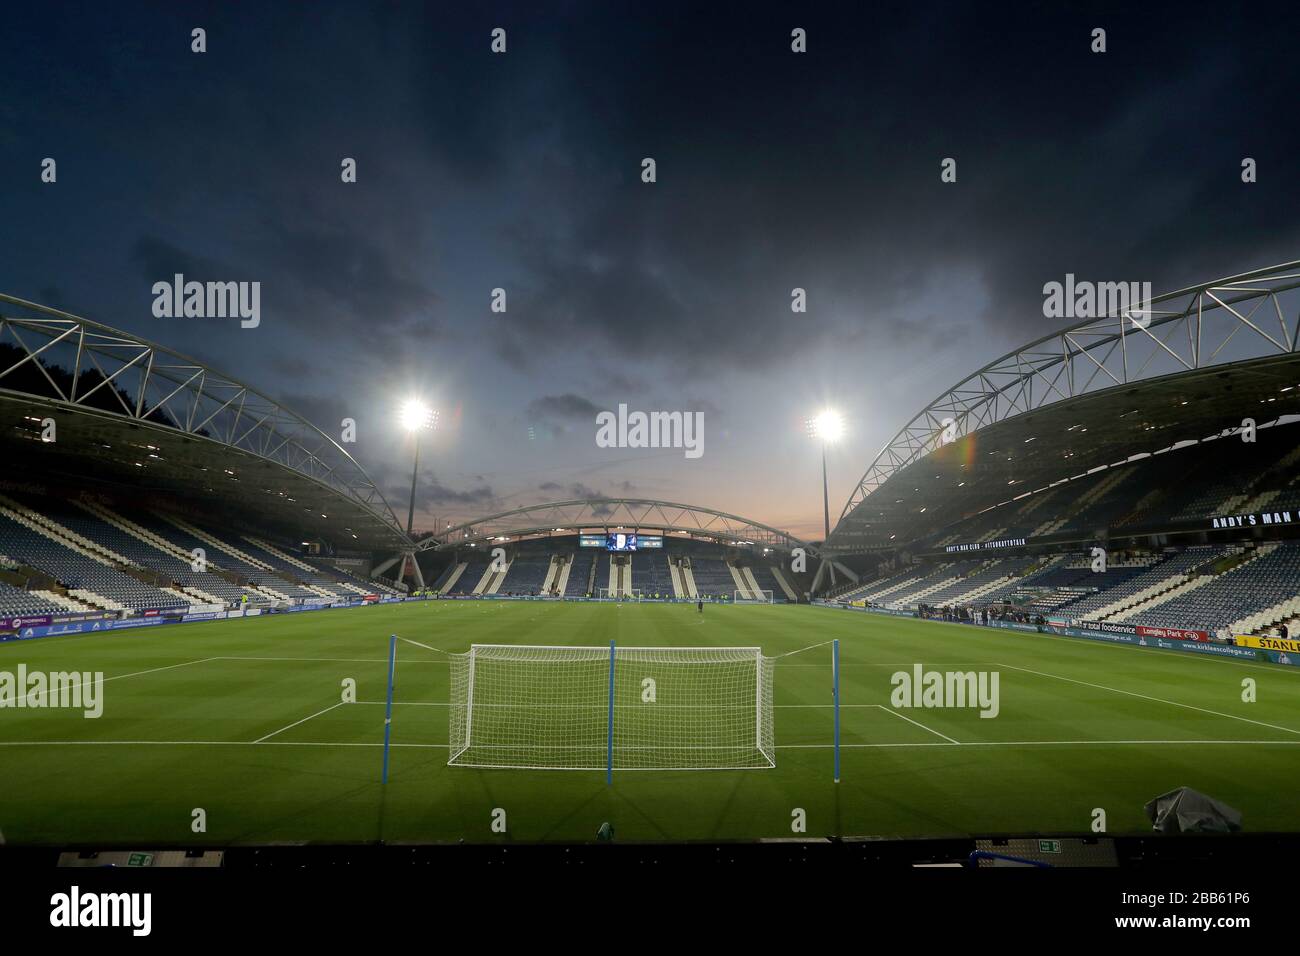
{"x": 416, "y": 417}
{"x": 829, "y": 427}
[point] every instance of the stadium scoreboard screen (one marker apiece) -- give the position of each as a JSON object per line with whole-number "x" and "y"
{"x": 621, "y": 541}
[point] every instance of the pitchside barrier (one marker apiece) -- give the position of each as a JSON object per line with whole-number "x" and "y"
{"x": 644, "y": 598}
{"x": 89, "y": 623}
{"x": 1242, "y": 651}
{"x": 28, "y": 626}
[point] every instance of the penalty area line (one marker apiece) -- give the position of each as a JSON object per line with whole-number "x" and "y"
{"x": 296, "y": 723}
{"x": 917, "y": 723}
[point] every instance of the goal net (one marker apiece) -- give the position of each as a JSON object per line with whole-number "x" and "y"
{"x": 751, "y": 596}
{"x": 673, "y": 708}
{"x": 617, "y": 594}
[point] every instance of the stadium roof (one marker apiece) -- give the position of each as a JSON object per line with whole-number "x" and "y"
{"x": 137, "y": 415}
{"x": 1184, "y": 367}
{"x": 614, "y": 514}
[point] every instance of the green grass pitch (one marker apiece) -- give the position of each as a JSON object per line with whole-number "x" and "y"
{"x": 243, "y": 720}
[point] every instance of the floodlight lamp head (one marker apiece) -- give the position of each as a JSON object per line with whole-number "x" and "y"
{"x": 828, "y": 426}
{"x": 415, "y": 415}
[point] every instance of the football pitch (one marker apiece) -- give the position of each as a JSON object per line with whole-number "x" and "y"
{"x": 244, "y": 720}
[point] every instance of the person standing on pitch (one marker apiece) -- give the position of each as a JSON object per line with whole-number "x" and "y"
{"x": 700, "y": 605}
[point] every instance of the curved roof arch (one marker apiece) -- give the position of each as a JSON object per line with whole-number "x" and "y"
{"x": 1212, "y": 324}
{"x": 112, "y": 375}
{"x": 572, "y": 516}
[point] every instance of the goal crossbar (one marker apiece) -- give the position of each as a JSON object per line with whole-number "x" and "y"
{"x": 559, "y": 707}
{"x": 603, "y": 653}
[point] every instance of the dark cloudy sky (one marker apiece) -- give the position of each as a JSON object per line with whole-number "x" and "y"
{"x": 522, "y": 171}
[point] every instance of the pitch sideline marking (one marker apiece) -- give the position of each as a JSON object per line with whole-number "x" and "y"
{"x": 1159, "y": 700}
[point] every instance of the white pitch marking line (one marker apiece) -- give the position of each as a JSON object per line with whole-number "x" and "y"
{"x": 420, "y": 703}
{"x": 427, "y": 647}
{"x": 842, "y": 706}
{"x": 1158, "y": 700}
{"x": 200, "y": 743}
{"x": 152, "y": 670}
{"x": 1053, "y": 743}
{"x": 297, "y": 722}
{"x": 404, "y": 703}
{"x": 327, "y": 660}
{"x": 918, "y": 723}
{"x": 969, "y": 743}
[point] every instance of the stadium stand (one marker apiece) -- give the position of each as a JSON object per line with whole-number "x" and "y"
{"x": 1062, "y": 580}
{"x": 767, "y": 580}
{"x": 204, "y": 587}
{"x": 86, "y": 573}
{"x": 470, "y": 577}
{"x": 354, "y": 583}
{"x": 188, "y": 538}
{"x": 579, "y": 583}
{"x": 527, "y": 573}
{"x": 712, "y": 577}
{"x": 1265, "y": 578}
{"x": 1215, "y": 588}
{"x": 651, "y": 573}
{"x": 138, "y": 560}
{"x": 979, "y": 582}
{"x": 681, "y": 569}
{"x": 293, "y": 569}
{"x": 1167, "y": 573}
{"x": 19, "y": 602}
{"x": 240, "y": 558}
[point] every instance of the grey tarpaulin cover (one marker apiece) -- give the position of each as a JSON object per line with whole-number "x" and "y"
{"x": 1189, "y": 811}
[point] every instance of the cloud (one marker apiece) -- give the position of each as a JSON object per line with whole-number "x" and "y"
{"x": 439, "y": 494}
{"x": 775, "y": 171}
{"x": 568, "y": 490}
{"x": 566, "y": 407}
{"x": 557, "y": 413}
{"x": 157, "y": 260}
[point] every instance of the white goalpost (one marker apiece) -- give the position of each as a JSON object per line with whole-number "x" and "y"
{"x": 752, "y": 596}
{"x": 598, "y": 708}
{"x": 618, "y": 594}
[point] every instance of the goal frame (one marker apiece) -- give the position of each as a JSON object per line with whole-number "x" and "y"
{"x": 763, "y": 706}
{"x": 737, "y": 599}
{"x": 615, "y": 594}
